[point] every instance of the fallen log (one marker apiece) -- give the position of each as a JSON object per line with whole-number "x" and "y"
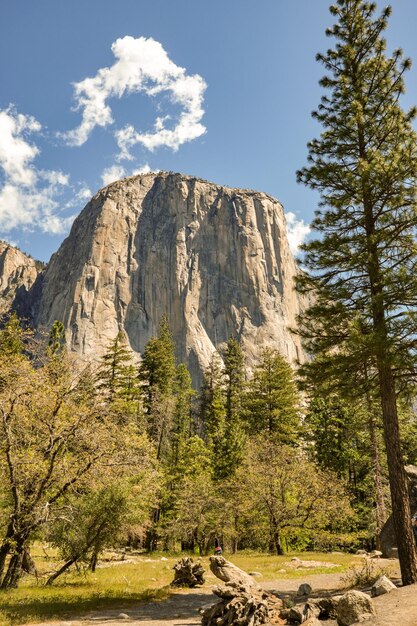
{"x": 187, "y": 573}
{"x": 242, "y": 601}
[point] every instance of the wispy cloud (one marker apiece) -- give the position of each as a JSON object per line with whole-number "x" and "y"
{"x": 28, "y": 195}
{"x": 142, "y": 65}
{"x": 297, "y": 231}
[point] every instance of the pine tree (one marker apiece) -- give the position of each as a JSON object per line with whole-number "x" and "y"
{"x": 272, "y": 401}
{"x": 183, "y": 412}
{"x": 234, "y": 377}
{"x": 213, "y": 412}
{"x": 364, "y": 264}
{"x": 157, "y": 373}
{"x": 115, "y": 372}
{"x": 56, "y": 340}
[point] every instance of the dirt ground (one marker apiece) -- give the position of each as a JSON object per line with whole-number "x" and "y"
{"x": 399, "y": 608}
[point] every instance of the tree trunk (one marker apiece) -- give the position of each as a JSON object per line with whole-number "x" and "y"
{"x": 28, "y": 564}
{"x": 380, "y": 509}
{"x": 93, "y": 560}
{"x": 5, "y": 548}
{"x": 62, "y": 569}
{"x": 277, "y": 543}
{"x": 397, "y": 477}
{"x": 14, "y": 570}
{"x": 151, "y": 540}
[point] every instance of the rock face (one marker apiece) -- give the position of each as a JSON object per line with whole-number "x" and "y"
{"x": 215, "y": 260}
{"x": 18, "y": 275}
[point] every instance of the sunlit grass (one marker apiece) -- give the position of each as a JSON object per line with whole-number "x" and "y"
{"x": 125, "y": 584}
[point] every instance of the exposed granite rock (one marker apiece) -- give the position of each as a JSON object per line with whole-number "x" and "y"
{"x": 215, "y": 259}
{"x": 18, "y": 275}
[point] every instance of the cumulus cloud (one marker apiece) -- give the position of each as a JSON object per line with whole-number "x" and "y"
{"x": 297, "y": 231}
{"x": 28, "y": 196}
{"x": 113, "y": 173}
{"x": 142, "y": 65}
{"x": 116, "y": 172}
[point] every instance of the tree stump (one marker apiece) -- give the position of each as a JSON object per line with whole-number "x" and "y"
{"x": 187, "y": 573}
{"x": 243, "y": 602}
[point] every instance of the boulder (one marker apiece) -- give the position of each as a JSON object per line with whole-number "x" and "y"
{"x": 302, "y": 613}
{"x": 375, "y": 554}
{"x": 328, "y": 606}
{"x": 381, "y": 586}
{"x": 304, "y": 590}
{"x": 354, "y": 606}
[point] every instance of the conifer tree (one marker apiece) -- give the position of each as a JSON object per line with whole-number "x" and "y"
{"x": 213, "y": 412}
{"x": 115, "y": 372}
{"x": 234, "y": 377}
{"x": 272, "y": 401}
{"x": 183, "y": 411}
{"x": 157, "y": 373}
{"x": 364, "y": 265}
{"x": 56, "y": 340}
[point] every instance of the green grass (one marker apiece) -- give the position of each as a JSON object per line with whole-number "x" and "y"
{"x": 125, "y": 585}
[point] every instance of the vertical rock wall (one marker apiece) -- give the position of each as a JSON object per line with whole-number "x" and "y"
{"x": 215, "y": 260}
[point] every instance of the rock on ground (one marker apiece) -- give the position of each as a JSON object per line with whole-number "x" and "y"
{"x": 354, "y": 606}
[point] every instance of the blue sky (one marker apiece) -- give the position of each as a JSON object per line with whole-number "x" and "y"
{"x": 222, "y": 90}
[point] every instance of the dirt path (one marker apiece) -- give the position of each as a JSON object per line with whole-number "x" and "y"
{"x": 182, "y": 607}
{"x": 398, "y": 608}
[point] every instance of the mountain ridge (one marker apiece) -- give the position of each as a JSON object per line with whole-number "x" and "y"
{"x": 214, "y": 258}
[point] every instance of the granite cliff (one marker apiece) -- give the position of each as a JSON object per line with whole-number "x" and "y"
{"x": 215, "y": 259}
{"x": 18, "y": 276}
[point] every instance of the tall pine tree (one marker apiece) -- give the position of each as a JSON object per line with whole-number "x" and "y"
{"x": 364, "y": 264}
{"x": 272, "y": 401}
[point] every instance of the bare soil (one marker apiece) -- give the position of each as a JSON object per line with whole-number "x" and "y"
{"x": 398, "y": 608}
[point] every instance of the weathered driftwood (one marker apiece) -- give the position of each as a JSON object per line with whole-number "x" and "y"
{"x": 229, "y": 573}
{"x": 187, "y": 573}
{"x": 243, "y": 602}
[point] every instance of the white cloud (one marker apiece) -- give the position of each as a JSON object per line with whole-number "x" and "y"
{"x": 297, "y": 231}
{"x": 84, "y": 193}
{"x": 113, "y": 173}
{"x": 116, "y": 172}
{"x": 28, "y": 196}
{"x": 142, "y": 65}
{"x": 144, "y": 169}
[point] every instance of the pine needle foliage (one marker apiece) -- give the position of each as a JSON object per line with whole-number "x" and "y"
{"x": 363, "y": 264}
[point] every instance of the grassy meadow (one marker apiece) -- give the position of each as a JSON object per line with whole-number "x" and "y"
{"x": 139, "y": 578}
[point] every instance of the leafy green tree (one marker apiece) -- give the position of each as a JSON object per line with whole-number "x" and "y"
{"x": 364, "y": 165}
{"x": 285, "y": 493}
{"x": 52, "y": 439}
{"x": 272, "y": 403}
{"x": 86, "y": 525}
{"x": 12, "y": 337}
